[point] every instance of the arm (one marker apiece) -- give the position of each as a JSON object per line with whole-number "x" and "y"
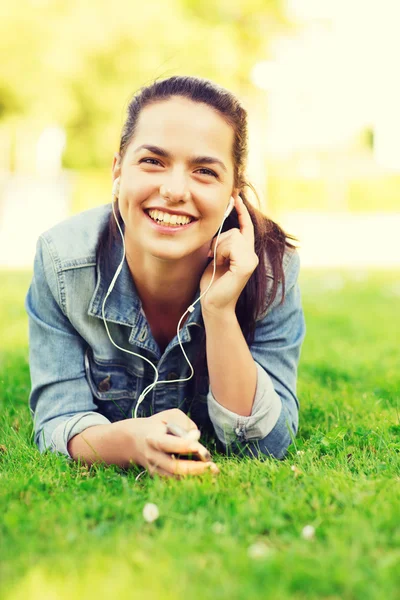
{"x": 144, "y": 442}
{"x": 231, "y": 368}
{"x": 61, "y": 402}
{"x": 65, "y": 417}
{"x": 252, "y": 394}
{"x": 101, "y": 442}
{"x": 275, "y": 354}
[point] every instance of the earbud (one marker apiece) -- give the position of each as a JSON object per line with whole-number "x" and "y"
{"x": 115, "y": 188}
{"x": 229, "y": 207}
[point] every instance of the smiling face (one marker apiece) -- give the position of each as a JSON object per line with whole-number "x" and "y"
{"x": 176, "y": 179}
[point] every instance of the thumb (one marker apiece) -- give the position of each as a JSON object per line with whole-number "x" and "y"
{"x": 178, "y": 417}
{"x": 193, "y": 434}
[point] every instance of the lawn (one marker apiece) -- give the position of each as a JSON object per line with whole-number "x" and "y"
{"x": 70, "y": 533}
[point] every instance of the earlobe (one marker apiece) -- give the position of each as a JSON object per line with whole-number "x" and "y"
{"x": 115, "y": 188}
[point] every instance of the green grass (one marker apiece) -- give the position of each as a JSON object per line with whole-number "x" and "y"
{"x": 69, "y": 532}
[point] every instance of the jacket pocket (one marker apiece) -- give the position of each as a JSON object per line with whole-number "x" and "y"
{"x": 113, "y": 386}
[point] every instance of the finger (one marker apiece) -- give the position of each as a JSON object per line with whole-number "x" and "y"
{"x": 175, "y": 415}
{"x": 154, "y": 464}
{"x": 224, "y": 236}
{"x": 174, "y": 465}
{"x": 158, "y": 471}
{"x": 245, "y": 222}
{"x": 231, "y": 248}
{"x": 191, "y": 467}
{"x": 176, "y": 445}
{"x": 193, "y": 435}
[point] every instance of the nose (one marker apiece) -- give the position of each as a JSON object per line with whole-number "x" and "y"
{"x": 176, "y": 187}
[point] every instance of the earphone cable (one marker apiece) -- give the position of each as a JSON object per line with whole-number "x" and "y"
{"x": 190, "y": 309}
{"x": 111, "y": 287}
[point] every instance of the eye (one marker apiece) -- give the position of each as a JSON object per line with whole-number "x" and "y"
{"x": 153, "y": 161}
{"x": 208, "y": 172}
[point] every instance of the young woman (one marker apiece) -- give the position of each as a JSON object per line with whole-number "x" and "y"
{"x": 180, "y": 271}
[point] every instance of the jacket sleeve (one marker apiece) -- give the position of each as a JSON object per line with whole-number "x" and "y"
{"x": 61, "y": 402}
{"x": 276, "y": 351}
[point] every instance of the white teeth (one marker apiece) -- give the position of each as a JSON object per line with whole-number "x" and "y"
{"x": 168, "y": 219}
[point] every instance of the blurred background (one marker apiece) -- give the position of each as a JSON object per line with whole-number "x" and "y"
{"x": 319, "y": 79}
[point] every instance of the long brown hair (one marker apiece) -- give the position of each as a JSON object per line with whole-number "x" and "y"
{"x": 270, "y": 240}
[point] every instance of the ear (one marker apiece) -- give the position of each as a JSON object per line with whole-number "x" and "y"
{"x": 116, "y": 165}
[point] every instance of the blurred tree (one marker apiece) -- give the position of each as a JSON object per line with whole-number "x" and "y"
{"x": 9, "y": 103}
{"x": 78, "y": 63}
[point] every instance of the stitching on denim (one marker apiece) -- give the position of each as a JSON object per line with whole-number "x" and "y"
{"x": 83, "y": 265}
{"x": 55, "y": 260}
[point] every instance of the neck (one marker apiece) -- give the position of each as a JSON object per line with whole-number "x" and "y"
{"x": 167, "y": 286}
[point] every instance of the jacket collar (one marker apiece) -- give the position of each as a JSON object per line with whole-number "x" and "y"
{"x": 123, "y": 305}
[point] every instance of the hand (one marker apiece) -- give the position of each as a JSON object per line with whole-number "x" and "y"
{"x": 152, "y": 446}
{"x": 236, "y": 261}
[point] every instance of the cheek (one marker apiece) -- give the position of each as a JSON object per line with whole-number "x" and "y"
{"x": 137, "y": 187}
{"x": 214, "y": 209}
{"x": 132, "y": 197}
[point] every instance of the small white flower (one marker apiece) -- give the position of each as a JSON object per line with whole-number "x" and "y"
{"x": 218, "y": 528}
{"x": 258, "y": 550}
{"x": 308, "y": 532}
{"x": 300, "y": 452}
{"x": 297, "y": 472}
{"x": 150, "y": 512}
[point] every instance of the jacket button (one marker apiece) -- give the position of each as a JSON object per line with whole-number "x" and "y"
{"x": 172, "y": 376}
{"x": 104, "y": 385}
{"x": 143, "y": 334}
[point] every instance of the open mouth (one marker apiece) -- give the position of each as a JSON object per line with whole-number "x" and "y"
{"x": 168, "y": 220}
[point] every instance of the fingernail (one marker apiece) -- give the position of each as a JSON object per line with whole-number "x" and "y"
{"x": 213, "y": 467}
{"x": 203, "y": 453}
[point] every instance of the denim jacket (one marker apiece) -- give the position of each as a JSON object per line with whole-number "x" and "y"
{"x": 79, "y": 379}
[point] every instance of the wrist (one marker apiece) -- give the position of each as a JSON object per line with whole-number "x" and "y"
{"x": 125, "y": 434}
{"x": 225, "y": 316}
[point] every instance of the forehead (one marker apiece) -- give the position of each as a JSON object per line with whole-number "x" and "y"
{"x": 185, "y": 127}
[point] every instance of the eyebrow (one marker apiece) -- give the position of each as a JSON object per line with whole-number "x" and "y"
{"x": 194, "y": 160}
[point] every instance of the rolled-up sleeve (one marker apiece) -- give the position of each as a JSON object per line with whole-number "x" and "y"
{"x": 276, "y": 351}
{"x": 61, "y": 402}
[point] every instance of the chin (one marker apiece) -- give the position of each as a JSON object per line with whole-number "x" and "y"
{"x": 172, "y": 252}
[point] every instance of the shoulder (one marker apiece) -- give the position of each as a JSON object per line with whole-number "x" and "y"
{"x": 291, "y": 266}
{"x": 73, "y": 242}
{"x": 291, "y": 269}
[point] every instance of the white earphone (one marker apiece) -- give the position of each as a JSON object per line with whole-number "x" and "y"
{"x": 229, "y": 207}
{"x": 115, "y": 188}
{"x": 190, "y": 309}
